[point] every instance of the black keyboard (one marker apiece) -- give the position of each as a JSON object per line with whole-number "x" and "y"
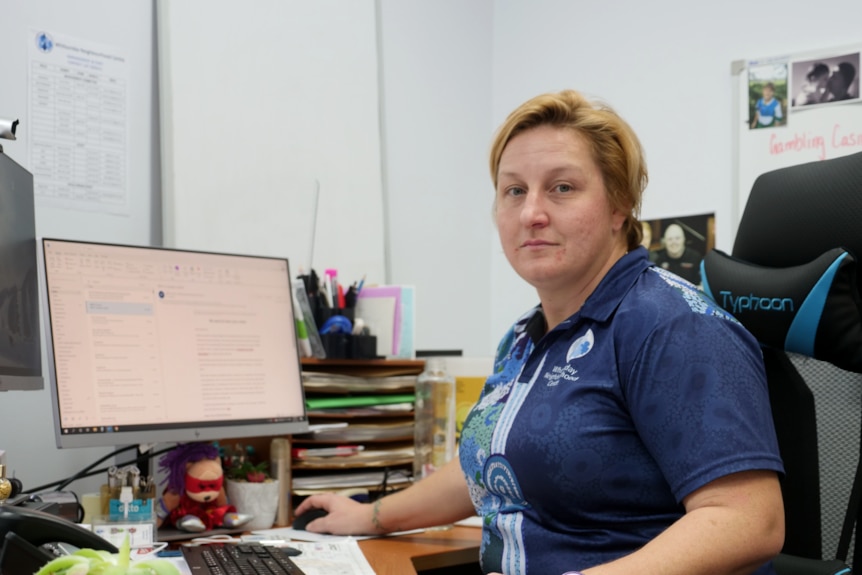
{"x": 240, "y": 559}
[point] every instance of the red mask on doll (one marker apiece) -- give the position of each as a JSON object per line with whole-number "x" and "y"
{"x": 203, "y": 489}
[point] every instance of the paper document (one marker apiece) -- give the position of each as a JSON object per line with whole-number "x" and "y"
{"x": 331, "y": 558}
{"x": 293, "y": 535}
{"x": 475, "y": 521}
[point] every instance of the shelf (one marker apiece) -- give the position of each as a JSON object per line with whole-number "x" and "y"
{"x": 365, "y": 367}
{"x": 385, "y": 432}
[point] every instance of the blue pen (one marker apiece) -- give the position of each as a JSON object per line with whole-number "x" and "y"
{"x": 359, "y": 287}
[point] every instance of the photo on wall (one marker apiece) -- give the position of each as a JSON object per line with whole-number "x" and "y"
{"x": 767, "y": 95}
{"x": 825, "y": 80}
{"x": 678, "y": 244}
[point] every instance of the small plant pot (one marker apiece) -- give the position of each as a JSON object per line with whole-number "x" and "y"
{"x": 257, "y": 499}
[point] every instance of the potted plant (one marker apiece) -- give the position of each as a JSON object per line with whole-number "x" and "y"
{"x": 250, "y": 488}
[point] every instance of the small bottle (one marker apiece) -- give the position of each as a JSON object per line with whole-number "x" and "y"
{"x": 5, "y": 485}
{"x": 434, "y": 429}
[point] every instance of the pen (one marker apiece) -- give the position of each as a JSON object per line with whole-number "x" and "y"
{"x": 350, "y": 297}
{"x": 331, "y": 276}
{"x": 301, "y": 330}
{"x": 327, "y": 295}
{"x": 359, "y": 287}
{"x": 313, "y": 285}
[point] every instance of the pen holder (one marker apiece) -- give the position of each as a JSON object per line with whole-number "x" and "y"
{"x": 346, "y": 346}
{"x": 363, "y": 347}
{"x": 324, "y": 313}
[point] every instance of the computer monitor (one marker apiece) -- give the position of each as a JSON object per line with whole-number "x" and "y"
{"x": 149, "y": 345}
{"x": 20, "y": 345}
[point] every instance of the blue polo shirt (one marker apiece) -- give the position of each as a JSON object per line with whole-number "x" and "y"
{"x": 586, "y": 440}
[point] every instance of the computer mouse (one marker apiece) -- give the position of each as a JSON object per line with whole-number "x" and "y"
{"x": 300, "y": 521}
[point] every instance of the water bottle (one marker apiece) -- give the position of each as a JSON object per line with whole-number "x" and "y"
{"x": 434, "y": 430}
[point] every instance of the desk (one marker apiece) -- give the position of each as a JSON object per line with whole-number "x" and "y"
{"x": 409, "y": 554}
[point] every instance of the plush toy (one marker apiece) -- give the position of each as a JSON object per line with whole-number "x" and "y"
{"x": 194, "y": 498}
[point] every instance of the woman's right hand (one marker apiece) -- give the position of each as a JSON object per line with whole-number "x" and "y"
{"x": 344, "y": 515}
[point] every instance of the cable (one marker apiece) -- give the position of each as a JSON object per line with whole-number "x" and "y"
{"x": 65, "y": 483}
{"x": 47, "y": 486}
{"x": 86, "y": 472}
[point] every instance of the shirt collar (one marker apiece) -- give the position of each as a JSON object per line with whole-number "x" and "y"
{"x": 605, "y": 298}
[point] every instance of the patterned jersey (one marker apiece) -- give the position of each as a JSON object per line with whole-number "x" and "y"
{"x": 586, "y": 440}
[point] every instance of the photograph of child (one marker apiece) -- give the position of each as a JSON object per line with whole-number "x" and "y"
{"x": 767, "y": 95}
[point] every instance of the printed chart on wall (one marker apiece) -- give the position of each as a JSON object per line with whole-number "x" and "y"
{"x": 795, "y": 109}
{"x": 78, "y": 123}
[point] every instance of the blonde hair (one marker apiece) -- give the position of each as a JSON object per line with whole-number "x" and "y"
{"x": 615, "y": 147}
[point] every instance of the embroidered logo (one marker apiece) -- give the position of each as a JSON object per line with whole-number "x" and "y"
{"x": 566, "y": 372}
{"x": 581, "y": 346}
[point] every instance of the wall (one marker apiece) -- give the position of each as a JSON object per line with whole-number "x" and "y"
{"x": 26, "y": 428}
{"x": 665, "y": 66}
{"x": 252, "y": 125}
{"x": 436, "y": 89}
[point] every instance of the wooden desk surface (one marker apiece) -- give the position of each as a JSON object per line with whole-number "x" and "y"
{"x": 407, "y": 554}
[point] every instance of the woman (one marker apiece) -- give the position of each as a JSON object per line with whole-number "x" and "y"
{"x": 626, "y": 428}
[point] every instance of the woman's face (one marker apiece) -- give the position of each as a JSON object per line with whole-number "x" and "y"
{"x": 556, "y": 225}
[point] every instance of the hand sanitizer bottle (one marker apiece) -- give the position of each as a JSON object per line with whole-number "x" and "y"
{"x": 434, "y": 431}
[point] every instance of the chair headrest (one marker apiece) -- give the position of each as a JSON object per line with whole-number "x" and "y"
{"x": 813, "y": 309}
{"x": 795, "y": 214}
{"x": 793, "y": 279}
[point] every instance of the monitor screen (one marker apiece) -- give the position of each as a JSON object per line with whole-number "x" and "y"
{"x": 20, "y": 345}
{"x": 150, "y": 345}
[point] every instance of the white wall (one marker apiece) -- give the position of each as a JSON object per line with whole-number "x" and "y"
{"x": 249, "y": 125}
{"x": 665, "y": 66}
{"x": 436, "y": 94}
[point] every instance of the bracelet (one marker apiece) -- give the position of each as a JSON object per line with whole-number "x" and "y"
{"x": 375, "y": 516}
{"x": 573, "y": 573}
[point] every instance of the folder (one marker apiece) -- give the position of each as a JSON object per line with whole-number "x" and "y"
{"x": 357, "y": 400}
{"x": 380, "y": 309}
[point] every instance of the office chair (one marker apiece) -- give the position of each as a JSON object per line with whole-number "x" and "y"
{"x": 793, "y": 280}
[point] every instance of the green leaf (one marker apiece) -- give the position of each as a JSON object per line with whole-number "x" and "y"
{"x": 125, "y": 551}
{"x": 62, "y": 564}
{"x": 78, "y": 569}
{"x": 158, "y": 566}
{"x": 93, "y": 554}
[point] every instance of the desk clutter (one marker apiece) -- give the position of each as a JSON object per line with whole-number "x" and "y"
{"x": 126, "y": 507}
{"x": 361, "y": 442}
{"x": 361, "y": 434}
{"x": 355, "y": 322}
